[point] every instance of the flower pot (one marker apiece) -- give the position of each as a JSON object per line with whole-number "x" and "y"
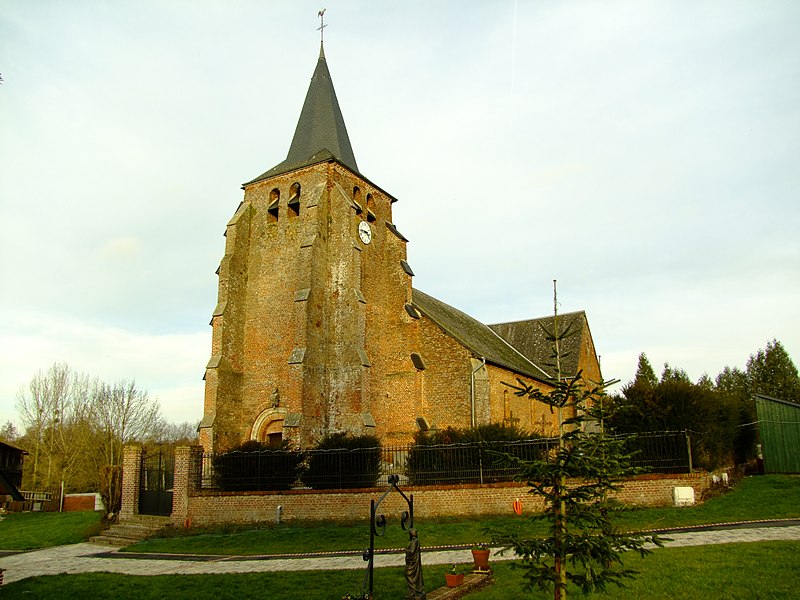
{"x": 454, "y": 580}
{"x": 481, "y": 559}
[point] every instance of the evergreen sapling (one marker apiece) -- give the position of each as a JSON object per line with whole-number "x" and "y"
{"x": 583, "y": 547}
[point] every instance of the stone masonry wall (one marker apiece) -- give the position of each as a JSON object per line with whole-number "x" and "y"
{"x": 193, "y": 507}
{"x": 131, "y": 475}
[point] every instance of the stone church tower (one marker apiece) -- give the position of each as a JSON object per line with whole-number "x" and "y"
{"x": 310, "y": 319}
{"x": 317, "y": 329}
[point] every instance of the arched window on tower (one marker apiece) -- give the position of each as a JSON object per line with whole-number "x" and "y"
{"x": 357, "y": 200}
{"x": 272, "y": 209}
{"x": 294, "y": 200}
{"x": 370, "y": 208}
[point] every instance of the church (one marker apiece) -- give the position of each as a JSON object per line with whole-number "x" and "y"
{"x": 319, "y": 329}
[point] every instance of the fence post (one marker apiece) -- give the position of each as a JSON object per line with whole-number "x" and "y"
{"x": 131, "y": 474}
{"x": 184, "y": 482}
{"x": 689, "y": 449}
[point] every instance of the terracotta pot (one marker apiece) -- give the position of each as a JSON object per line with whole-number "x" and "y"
{"x": 481, "y": 559}
{"x": 454, "y": 580}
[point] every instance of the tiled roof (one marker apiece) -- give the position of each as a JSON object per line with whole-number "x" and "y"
{"x": 530, "y": 338}
{"x": 475, "y": 336}
{"x": 320, "y": 134}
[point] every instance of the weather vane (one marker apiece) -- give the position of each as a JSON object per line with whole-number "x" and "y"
{"x": 322, "y": 26}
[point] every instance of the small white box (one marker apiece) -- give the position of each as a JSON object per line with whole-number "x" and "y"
{"x": 682, "y": 496}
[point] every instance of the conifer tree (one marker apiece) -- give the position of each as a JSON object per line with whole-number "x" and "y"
{"x": 645, "y": 375}
{"x": 583, "y": 547}
{"x": 772, "y": 372}
{"x": 675, "y": 374}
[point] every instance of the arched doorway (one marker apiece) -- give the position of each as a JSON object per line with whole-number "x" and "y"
{"x": 268, "y": 427}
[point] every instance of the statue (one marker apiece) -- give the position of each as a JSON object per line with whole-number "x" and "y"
{"x": 416, "y": 586}
{"x": 275, "y": 397}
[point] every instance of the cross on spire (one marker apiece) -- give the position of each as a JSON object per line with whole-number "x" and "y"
{"x": 322, "y": 26}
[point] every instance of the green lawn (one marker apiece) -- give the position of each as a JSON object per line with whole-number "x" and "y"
{"x": 731, "y": 571}
{"x": 736, "y": 571}
{"x": 765, "y": 497}
{"x": 755, "y": 498}
{"x": 25, "y": 531}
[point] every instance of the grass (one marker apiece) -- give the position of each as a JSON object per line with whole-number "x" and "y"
{"x": 26, "y": 531}
{"x": 764, "y": 497}
{"x": 755, "y": 498}
{"x": 736, "y": 571}
{"x": 757, "y": 570}
{"x": 313, "y": 584}
{"x": 731, "y": 571}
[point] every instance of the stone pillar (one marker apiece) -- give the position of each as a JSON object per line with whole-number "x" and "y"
{"x": 188, "y": 471}
{"x": 131, "y": 478}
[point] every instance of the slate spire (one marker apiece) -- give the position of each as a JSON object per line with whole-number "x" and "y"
{"x": 320, "y": 133}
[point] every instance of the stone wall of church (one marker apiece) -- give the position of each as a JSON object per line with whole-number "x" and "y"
{"x": 587, "y": 360}
{"x": 259, "y": 324}
{"x": 446, "y": 378}
{"x": 223, "y": 371}
{"x": 447, "y": 389}
{"x": 507, "y": 407}
{"x": 311, "y": 333}
{"x": 310, "y": 329}
{"x": 288, "y": 211}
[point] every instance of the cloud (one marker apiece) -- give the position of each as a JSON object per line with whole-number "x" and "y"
{"x": 169, "y": 366}
{"x": 642, "y": 154}
{"x": 122, "y": 249}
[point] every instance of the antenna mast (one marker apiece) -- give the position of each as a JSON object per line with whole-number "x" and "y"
{"x": 555, "y": 329}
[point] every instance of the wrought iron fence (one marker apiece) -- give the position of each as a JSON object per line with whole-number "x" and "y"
{"x": 661, "y": 452}
{"x": 469, "y": 463}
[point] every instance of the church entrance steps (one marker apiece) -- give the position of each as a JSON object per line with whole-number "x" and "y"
{"x": 131, "y": 531}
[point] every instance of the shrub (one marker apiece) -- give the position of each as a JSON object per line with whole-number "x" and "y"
{"x": 342, "y": 461}
{"x": 677, "y": 405}
{"x": 465, "y": 455}
{"x": 254, "y": 466}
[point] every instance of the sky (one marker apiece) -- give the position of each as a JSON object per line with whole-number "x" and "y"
{"x": 644, "y": 154}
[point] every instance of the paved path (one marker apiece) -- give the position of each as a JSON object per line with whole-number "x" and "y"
{"x": 82, "y": 558}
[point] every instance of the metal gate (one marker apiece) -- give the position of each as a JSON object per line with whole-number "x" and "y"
{"x": 155, "y": 486}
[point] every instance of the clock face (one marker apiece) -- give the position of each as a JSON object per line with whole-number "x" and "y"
{"x": 365, "y": 232}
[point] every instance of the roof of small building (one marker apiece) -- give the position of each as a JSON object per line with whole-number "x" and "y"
{"x": 6, "y": 445}
{"x": 320, "y": 134}
{"x": 789, "y": 403}
{"x": 530, "y": 337}
{"x": 476, "y": 337}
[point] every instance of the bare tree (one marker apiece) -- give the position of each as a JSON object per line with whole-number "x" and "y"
{"x": 43, "y": 410}
{"x": 177, "y": 434}
{"x": 73, "y": 428}
{"x": 8, "y": 433}
{"x": 76, "y": 427}
{"x": 119, "y": 414}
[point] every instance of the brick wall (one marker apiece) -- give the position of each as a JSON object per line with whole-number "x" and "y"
{"x": 78, "y": 502}
{"x": 311, "y": 320}
{"x": 131, "y": 470}
{"x": 506, "y": 406}
{"x": 206, "y": 507}
{"x": 308, "y": 316}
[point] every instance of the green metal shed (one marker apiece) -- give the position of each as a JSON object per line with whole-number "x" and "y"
{"x": 779, "y": 426}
